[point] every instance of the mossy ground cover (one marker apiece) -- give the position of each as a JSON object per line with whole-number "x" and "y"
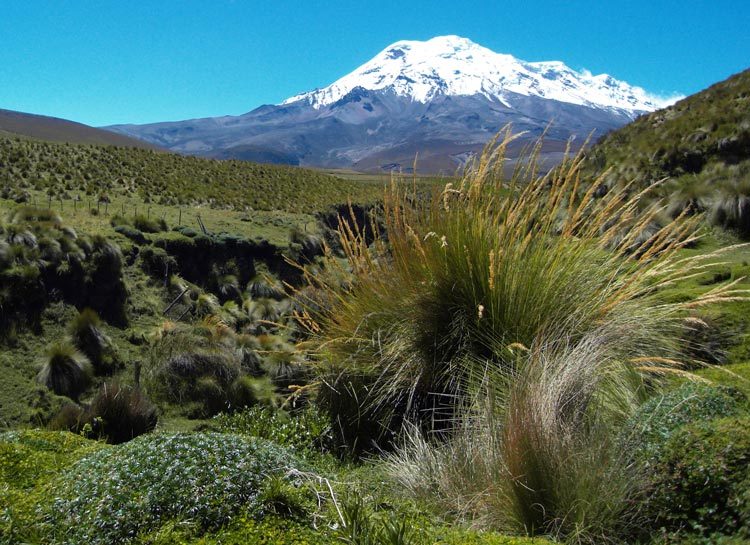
{"x": 182, "y": 488}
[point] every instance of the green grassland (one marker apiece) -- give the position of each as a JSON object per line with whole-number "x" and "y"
{"x": 92, "y": 172}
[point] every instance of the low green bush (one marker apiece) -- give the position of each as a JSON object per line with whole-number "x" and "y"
{"x": 701, "y": 482}
{"x": 649, "y": 429}
{"x": 149, "y": 225}
{"x": 132, "y": 233}
{"x": 305, "y": 430}
{"x": 203, "y": 479}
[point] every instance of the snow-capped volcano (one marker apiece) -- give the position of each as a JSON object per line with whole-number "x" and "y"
{"x": 456, "y": 66}
{"x": 441, "y": 99}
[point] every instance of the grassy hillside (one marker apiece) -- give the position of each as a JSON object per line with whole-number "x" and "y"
{"x": 54, "y": 129}
{"x": 699, "y": 149}
{"x": 67, "y": 171}
{"x": 705, "y": 135}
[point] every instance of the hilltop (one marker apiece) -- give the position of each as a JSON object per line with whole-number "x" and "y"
{"x": 54, "y": 129}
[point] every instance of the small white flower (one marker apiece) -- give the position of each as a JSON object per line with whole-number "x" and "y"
{"x": 480, "y": 311}
{"x": 443, "y": 242}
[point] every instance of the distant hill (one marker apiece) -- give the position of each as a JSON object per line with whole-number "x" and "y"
{"x": 701, "y": 145}
{"x": 54, "y": 129}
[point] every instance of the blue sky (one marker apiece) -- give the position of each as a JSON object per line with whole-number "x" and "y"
{"x": 103, "y": 62}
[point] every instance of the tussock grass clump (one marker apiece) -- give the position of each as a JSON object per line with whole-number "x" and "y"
{"x": 193, "y": 364}
{"x": 535, "y": 295}
{"x": 490, "y": 265}
{"x": 149, "y": 225}
{"x": 121, "y": 413}
{"x": 86, "y": 333}
{"x": 117, "y": 414}
{"x": 731, "y": 208}
{"x": 65, "y": 370}
{"x": 211, "y": 368}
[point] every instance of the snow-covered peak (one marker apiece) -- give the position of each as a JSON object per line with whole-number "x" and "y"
{"x": 452, "y": 65}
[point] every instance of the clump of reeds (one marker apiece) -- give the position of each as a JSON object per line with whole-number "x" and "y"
{"x": 536, "y": 294}
{"x": 65, "y": 370}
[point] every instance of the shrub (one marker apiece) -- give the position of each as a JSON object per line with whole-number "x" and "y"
{"x": 701, "y": 480}
{"x": 204, "y": 479}
{"x": 657, "y": 420}
{"x": 305, "y": 430}
{"x": 120, "y": 413}
{"x": 65, "y": 371}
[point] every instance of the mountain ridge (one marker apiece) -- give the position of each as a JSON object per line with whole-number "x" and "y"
{"x": 443, "y": 116}
{"x": 441, "y": 65}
